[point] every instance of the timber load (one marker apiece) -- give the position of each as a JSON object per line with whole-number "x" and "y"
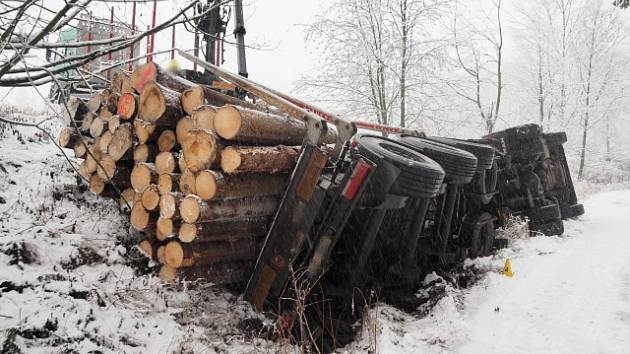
{"x": 199, "y": 173}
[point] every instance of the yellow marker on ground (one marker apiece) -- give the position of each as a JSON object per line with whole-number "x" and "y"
{"x": 507, "y": 268}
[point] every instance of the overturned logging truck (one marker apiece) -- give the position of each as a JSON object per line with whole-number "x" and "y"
{"x": 285, "y": 201}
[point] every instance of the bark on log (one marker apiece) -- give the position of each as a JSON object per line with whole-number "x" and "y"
{"x": 159, "y": 105}
{"x": 166, "y": 162}
{"x": 212, "y": 184}
{"x": 76, "y": 111}
{"x": 167, "y": 141}
{"x": 122, "y": 142}
{"x": 127, "y": 106}
{"x": 249, "y": 126}
{"x": 232, "y": 230}
{"x": 112, "y": 102}
{"x": 193, "y": 209}
{"x": 270, "y": 159}
{"x": 177, "y": 255}
{"x": 200, "y": 150}
{"x": 219, "y": 274}
{"x": 68, "y": 137}
{"x": 187, "y": 183}
{"x": 151, "y": 198}
{"x": 145, "y": 153}
{"x": 142, "y": 176}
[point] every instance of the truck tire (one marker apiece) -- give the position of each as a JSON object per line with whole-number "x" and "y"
{"x": 551, "y": 228}
{"x": 554, "y": 139}
{"x": 460, "y": 166}
{"x": 480, "y": 239}
{"x": 485, "y": 154}
{"x": 419, "y": 175}
{"x": 544, "y": 214}
{"x": 571, "y": 211}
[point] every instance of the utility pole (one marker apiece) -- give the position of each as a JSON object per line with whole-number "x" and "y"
{"x": 239, "y": 33}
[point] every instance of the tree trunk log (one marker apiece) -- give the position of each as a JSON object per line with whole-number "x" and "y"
{"x": 104, "y": 140}
{"x": 149, "y": 248}
{"x": 159, "y": 105}
{"x": 270, "y": 159}
{"x": 102, "y": 189}
{"x": 177, "y": 255}
{"x": 145, "y": 153}
{"x": 114, "y": 122}
{"x": 212, "y": 184}
{"x": 219, "y": 274}
{"x": 232, "y": 230}
{"x": 169, "y": 203}
{"x": 85, "y": 125}
{"x": 75, "y": 112}
{"x": 122, "y": 142}
{"x": 168, "y": 182}
{"x": 143, "y": 220}
{"x": 166, "y": 162}
{"x": 68, "y": 137}
{"x": 200, "y": 150}
{"x": 203, "y": 117}
{"x": 127, "y": 106}
{"x": 193, "y": 209}
{"x": 187, "y": 183}
{"x": 151, "y": 198}
{"x": 142, "y": 176}
{"x": 183, "y": 129}
{"x": 94, "y": 103}
{"x": 127, "y": 199}
{"x": 98, "y": 127}
{"x": 167, "y": 141}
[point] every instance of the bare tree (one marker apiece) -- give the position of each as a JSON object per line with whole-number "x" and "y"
{"x": 483, "y": 64}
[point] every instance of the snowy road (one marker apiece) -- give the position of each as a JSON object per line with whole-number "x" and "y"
{"x": 569, "y": 294}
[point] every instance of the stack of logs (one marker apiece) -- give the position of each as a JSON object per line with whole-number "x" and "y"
{"x": 200, "y": 172}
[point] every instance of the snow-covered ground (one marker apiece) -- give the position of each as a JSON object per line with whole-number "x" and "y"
{"x": 569, "y": 294}
{"x": 67, "y": 284}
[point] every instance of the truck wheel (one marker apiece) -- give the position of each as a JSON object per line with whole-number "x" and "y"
{"x": 459, "y": 165}
{"x": 552, "y": 228}
{"x": 543, "y": 214}
{"x": 479, "y": 238}
{"x": 485, "y": 154}
{"x": 571, "y": 211}
{"x": 554, "y": 139}
{"x": 419, "y": 175}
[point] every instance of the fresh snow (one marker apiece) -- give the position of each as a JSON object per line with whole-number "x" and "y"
{"x": 68, "y": 285}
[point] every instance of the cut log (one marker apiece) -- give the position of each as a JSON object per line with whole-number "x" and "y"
{"x": 117, "y": 79}
{"x": 105, "y": 113}
{"x": 149, "y": 248}
{"x": 169, "y": 203}
{"x": 178, "y": 254}
{"x": 183, "y": 129}
{"x": 126, "y": 86}
{"x": 100, "y": 188}
{"x": 85, "y": 125}
{"x": 146, "y": 132}
{"x": 181, "y": 163}
{"x": 105, "y": 96}
{"x": 142, "y": 176}
{"x": 127, "y": 199}
{"x": 114, "y": 122}
{"x": 200, "y": 150}
{"x": 94, "y": 103}
{"x": 68, "y": 137}
{"x": 75, "y": 112}
{"x": 218, "y": 274}
{"x": 150, "y": 198}
{"x": 146, "y": 73}
{"x": 112, "y": 102}
{"x": 104, "y": 140}
{"x": 187, "y": 183}
{"x": 106, "y": 168}
{"x": 80, "y": 149}
{"x": 232, "y": 230}
{"x": 235, "y": 159}
{"x": 166, "y": 162}
{"x": 109, "y": 171}
{"x": 93, "y": 154}
{"x": 165, "y": 228}
{"x": 250, "y": 126}
{"x": 211, "y": 184}
{"x": 193, "y": 209}
{"x": 127, "y": 106}
{"x": 145, "y": 153}
{"x": 203, "y": 117}
{"x": 98, "y": 127}
{"x": 167, "y": 141}
{"x": 168, "y": 182}
{"x": 122, "y": 142}
{"x": 192, "y": 98}
{"x": 159, "y": 105}
{"x": 141, "y": 219}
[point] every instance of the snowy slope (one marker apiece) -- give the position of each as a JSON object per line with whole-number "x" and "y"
{"x": 67, "y": 284}
{"x": 569, "y": 294}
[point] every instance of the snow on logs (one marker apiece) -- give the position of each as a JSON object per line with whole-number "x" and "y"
{"x": 199, "y": 173}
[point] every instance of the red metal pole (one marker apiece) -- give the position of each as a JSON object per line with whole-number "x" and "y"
{"x": 111, "y": 35}
{"x": 173, "y": 44}
{"x": 149, "y": 51}
{"x": 196, "y": 50}
{"x": 150, "y": 58}
{"x": 133, "y": 32}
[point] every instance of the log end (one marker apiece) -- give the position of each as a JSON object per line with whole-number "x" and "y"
{"x": 164, "y": 228}
{"x": 142, "y": 75}
{"x": 126, "y": 106}
{"x": 187, "y": 232}
{"x": 227, "y": 122}
{"x": 150, "y": 198}
{"x": 189, "y": 209}
{"x": 174, "y": 254}
{"x": 139, "y": 217}
{"x": 192, "y": 98}
{"x": 199, "y": 150}
{"x": 140, "y": 177}
{"x": 168, "y": 206}
{"x": 165, "y": 162}
{"x": 168, "y": 274}
{"x": 230, "y": 159}
{"x": 152, "y": 102}
{"x": 206, "y": 185}
{"x": 187, "y": 183}
{"x": 167, "y": 141}
{"x": 107, "y": 168}
{"x": 97, "y": 185}
{"x": 165, "y": 184}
